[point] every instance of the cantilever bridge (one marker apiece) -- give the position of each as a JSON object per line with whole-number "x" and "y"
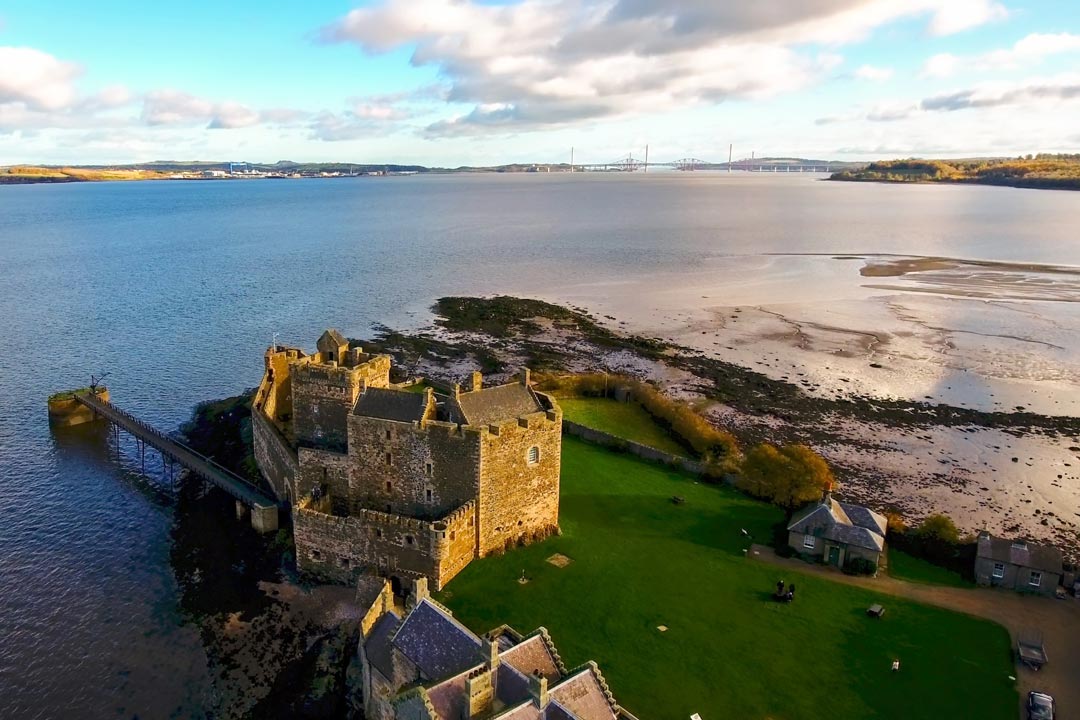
{"x": 263, "y": 508}
{"x": 633, "y": 164}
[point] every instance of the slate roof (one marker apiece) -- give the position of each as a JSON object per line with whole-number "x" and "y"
{"x": 530, "y": 655}
{"x": 436, "y": 643}
{"x": 386, "y": 404}
{"x": 493, "y": 405}
{"x": 1024, "y": 554}
{"x": 337, "y": 338}
{"x": 583, "y": 696}
{"x": 842, "y": 522}
{"x": 511, "y": 686}
{"x": 378, "y": 646}
{"x": 449, "y": 697}
{"x": 368, "y": 589}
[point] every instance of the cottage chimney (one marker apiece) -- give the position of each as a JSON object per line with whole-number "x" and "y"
{"x": 490, "y": 648}
{"x": 477, "y": 381}
{"x": 526, "y": 379}
{"x": 457, "y": 390}
{"x": 538, "y": 689}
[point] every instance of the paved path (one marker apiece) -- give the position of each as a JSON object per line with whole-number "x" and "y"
{"x": 1059, "y": 621}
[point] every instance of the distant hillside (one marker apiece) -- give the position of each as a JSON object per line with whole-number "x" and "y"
{"x": 25, "y": 174}
{"x": 1059, "y": 172}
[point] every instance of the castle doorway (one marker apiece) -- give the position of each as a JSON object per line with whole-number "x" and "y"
{"x": 397, "y": 586}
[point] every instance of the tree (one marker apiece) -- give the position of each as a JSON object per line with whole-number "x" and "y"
{"x": 787, "y": 476}
{"x": 938, "y": 529}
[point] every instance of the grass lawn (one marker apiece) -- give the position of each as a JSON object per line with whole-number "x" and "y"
{"x": 913, "y": 569}
{"x": 625, "y": 420}
{"x": 640, "y": 561}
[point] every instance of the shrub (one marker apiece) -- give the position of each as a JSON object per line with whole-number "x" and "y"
{"x": 860, "y": 566}
{"x": 938, "y": 529}
{"x": 788, "y": 476}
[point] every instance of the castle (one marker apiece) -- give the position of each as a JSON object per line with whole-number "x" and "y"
{"x": 395, "y": 479}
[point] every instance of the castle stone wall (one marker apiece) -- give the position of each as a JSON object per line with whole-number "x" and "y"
{"x": 275, "y": 457}
{"x": 330, "y": 471}
{"x": 455, "y": 544}
{"x": 518, "y": 500}
{"x": 422, "y": 470}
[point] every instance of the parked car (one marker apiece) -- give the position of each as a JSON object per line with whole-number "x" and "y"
{"x": 1040, "y": 706}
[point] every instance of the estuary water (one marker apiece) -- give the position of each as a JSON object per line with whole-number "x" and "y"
{"x": 176, "y": 288}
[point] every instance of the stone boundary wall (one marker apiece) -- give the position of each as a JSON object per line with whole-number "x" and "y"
{"x": 634, "y": 448}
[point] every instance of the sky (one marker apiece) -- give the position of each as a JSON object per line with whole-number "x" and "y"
{"x": 471, "y": 82}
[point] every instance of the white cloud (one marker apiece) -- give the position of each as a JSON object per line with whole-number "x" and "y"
{"x": 36, "y": 79}
{"x": 543, "y": 63}
{"x": 958, "y": 15}
{"x": 1026, "y": 52}
{"x": 874, "y": 74}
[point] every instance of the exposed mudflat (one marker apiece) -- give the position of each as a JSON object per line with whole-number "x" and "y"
{"x": 916, "y": 420}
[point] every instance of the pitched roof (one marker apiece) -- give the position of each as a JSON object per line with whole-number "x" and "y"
{"x": 1024, "y": 554}
{"x": 843, "y": 522}
{"x": 493, "y": 405}
{"x": 531, "y": 655}
{"x": 333, "y": 335}
{"x": 449, "y": 698}
{"x": 436, "y": 643}
{"x": 387, "y": 404}
{"x": 378, "y": 646}
{"x": 511, "y": 685}
{"x": 584, "y": 696}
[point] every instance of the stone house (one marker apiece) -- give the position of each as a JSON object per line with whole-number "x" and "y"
{"x": 425, "y": 665}
{"x": 1017, "y": 564}
{"x": 381, "y": 478}
{"x": 837, "y": 532}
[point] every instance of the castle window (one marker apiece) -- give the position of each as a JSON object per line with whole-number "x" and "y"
{"x": 388, "y": 434}
{"x": 343, "y": 562}
{"x": 389, "y": 459}
{"x": 408, "y": 540}
{"x": 316, "y": 555}
{"x": 388, "y": 509}
{"x": 534, "y": 455}
{"x": 389, "y": 486}
{"x": 429, "y": 496}
{"x": 430, "y": 470}
{"x": 378, "y": 533}
{"x": 453, "y": 535}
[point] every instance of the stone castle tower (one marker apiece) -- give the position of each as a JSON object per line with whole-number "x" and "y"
{"x": 403, "y": 480}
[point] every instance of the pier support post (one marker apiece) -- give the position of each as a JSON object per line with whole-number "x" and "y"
{"x": 264, "y": 518}
{"x": 241, "y": 510}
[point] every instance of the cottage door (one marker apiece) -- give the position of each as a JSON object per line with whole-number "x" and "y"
{"x": 834, "y": 555}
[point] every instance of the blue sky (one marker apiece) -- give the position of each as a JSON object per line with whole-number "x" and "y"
{"x": 450, "y": 82}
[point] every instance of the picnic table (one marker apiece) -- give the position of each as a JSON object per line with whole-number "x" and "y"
{"x": 875, "y": 611}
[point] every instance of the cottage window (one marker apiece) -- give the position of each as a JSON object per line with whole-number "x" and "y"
{"x": 809, "y": 542}
{"x": 1036, "y": 579}
{"x": 999, "y": 570}
{"x": 534, "y": 455}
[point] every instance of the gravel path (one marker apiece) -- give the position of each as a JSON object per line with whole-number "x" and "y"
{"x": 1059, "y": 621}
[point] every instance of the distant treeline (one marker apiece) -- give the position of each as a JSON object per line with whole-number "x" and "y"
{"x": 1032, "y": 171}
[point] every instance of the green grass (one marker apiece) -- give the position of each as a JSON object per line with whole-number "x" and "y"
{"x": 625, "y": 420}
{"x": 640, "y": 561}
{"x": 907, "y": 567}
{"x": 419, "y": 388}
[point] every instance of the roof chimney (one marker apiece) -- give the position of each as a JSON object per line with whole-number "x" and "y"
{"x": 419, "y": 593}
{"x": 477, "y": 381}
{"x": 538, "y": 688}
{"x": 525, "y": 377}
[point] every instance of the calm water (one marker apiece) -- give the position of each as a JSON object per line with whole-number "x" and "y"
{"x": 176, "y": 288}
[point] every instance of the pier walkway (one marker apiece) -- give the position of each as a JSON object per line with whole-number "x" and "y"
{"x": 263, "y": 507}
